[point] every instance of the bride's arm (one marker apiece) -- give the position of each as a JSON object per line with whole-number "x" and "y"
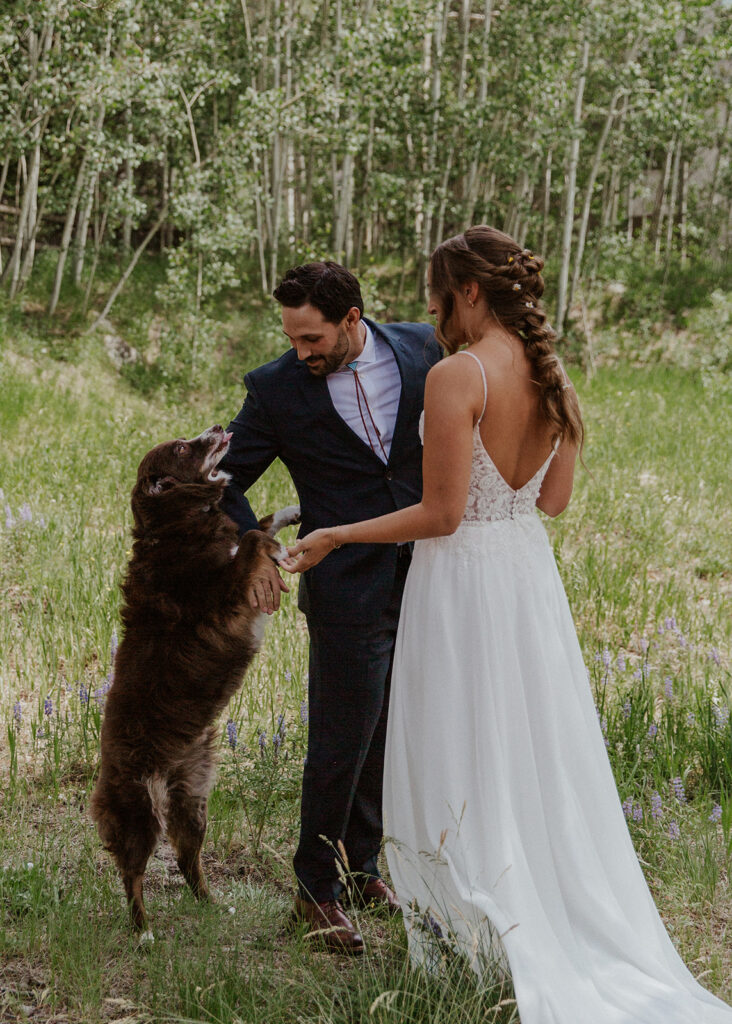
{"x": 452, "y": 405}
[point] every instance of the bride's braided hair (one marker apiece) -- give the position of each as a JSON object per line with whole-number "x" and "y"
{"x": 509, "y": 278}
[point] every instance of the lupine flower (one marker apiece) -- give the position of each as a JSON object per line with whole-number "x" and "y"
{"x": 668, "y": 687}
{"x": 670, "y": 622}
{"x": 606, "y": 658}
{"x": 2, "y": 495}
{"x": 714, "y": 655}
{"x": 262, "y": 741}
{"x": 83, "y": 694}
{"x": 113, "y": 645}
{"x": 638, "y": 674}
{"x": 9, "y": 518}
{"x": 276, "y": 742}
{"x": 304, "y": 712}
{"x": 288, "y": 675}
{"x": 231, "y": 733}
{"x": 25, "y": 514}
{"x": 48, "y": 707}
{"x": 652, "y": 730}
{"x": 656, "y": 806}
{"x": 637, "y": 813}
{"x": 621, "y": 662}
{"x": 674, "y": 832}
{"x": 716, "y": 814}
{"x": 17, "y": 712}
{"x": 628, "y": 806}
{"x": 281, "y": 726}
{"x": 682, "y": 640}
{"x": 678, "y": 788}
{"x": 721, "y": 716}
{"x": 643, "y": 644}
{"x": 627, "y": 708}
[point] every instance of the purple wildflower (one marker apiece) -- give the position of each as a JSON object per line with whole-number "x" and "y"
{"x": 621, "y": 662}
{"x": 716, "y": 814}
{"x": 25, "y": 514}
{"x": 9, "y": 518}
{"x": 721, "y": 716}
{"x": 674, "y": 832}
{"x": 628, "y": 806}
{"x": 83, "y": 694}
{"x": 627, "y": 708}
{"x": 17, "y": 712}
{"x": 304, "y": 712}
{"x": 637, "y": 813}
{"x": 638, "y": 674}
{"x": 262, "y": 742}
{"x": 678, "y": 788}
{"x": 276, "y": 742}
{"x": 231, "y": 733}
{"x": 281, "y": 726}
{"x": 288, "y": 675}
{"x": 48, "y": 707}
{"x": 714, "y": 655}
{"x": 606, "y": 658}
{"x": 670, "y": 622}
{"x": 644, "y": 644}
{"x": 113, "y": 645}
{"x": 690, "y": 718}
{"x": 668, "y": 687}
{"x": 656, "y": 806}
{"x": 652, "y": 730}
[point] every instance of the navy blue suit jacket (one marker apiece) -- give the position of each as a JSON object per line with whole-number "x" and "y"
{"x": 288, "y": 414}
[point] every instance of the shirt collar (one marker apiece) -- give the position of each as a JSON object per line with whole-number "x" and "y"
{"x": 368, "y": 355}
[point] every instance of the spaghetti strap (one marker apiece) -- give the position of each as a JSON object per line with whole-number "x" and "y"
{"x": 464, "y": 352}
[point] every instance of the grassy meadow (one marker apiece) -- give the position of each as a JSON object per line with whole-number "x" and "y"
{"x": 644, "y": 550}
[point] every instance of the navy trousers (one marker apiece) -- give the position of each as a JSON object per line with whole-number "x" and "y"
{"x": 348, "y": 697}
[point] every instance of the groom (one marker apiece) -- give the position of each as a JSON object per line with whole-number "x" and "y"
{"x": 341, "y": 410}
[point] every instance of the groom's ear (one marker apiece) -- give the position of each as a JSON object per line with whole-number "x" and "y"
{"x": 353, "y": 316}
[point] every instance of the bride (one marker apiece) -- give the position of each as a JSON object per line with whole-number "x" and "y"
{"x": 507, "y": 837}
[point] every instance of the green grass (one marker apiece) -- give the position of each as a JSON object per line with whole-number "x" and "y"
{"x": 644, "y": 550}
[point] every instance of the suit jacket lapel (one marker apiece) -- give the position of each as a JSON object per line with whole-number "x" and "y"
{"x": 408, "y": 395}
{"x": 317, "y": 395}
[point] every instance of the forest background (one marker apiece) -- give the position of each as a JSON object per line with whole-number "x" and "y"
{"x": 161, "y": 165}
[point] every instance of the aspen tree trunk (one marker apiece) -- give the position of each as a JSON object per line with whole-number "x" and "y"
{"x": 547, "y": 202}
{"x": 473, "y": 183}
{"x": 587, "y": 205}
{"x": 721, "y": 138}
{"x": 100, "y": 228}
{"x": 129, "y": 184}
{"x": 130, "y": 267}
{"x": 657, "y": 219}
{"x": 672, "y": 206}
{"x": 442, "y": 9}
{"x": 684, "y": 210}
{"x": 66, "y": 235}
{"x": 569, "y": 192}
{"x": 277, "y": 154}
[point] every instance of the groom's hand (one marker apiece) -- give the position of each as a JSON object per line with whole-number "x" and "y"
{"x": 265, "y": 589}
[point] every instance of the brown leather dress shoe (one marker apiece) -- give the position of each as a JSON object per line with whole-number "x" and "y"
{"x": 376, "y": 895}
{"x": 330, "y": 925}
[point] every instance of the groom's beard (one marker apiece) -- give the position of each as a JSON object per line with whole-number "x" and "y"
{"x": 321, "y": 366}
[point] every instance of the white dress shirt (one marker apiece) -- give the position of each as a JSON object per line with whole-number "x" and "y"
{"x": 379, "y": 374}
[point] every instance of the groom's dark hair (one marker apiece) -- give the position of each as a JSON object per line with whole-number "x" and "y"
{"x": 328, "y": 286}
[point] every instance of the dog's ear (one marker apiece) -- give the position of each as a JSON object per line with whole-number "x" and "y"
{"x": 158, "y": 484}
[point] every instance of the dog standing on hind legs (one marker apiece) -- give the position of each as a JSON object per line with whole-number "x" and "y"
{"x": 190, "y": 633}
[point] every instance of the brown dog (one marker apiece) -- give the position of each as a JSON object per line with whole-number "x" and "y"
{"x": 189, "y": 636}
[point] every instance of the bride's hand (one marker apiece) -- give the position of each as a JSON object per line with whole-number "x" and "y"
{"x": 309, "y": 551}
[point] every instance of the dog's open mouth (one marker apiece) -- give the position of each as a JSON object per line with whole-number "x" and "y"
{"x": 222, "y": 446}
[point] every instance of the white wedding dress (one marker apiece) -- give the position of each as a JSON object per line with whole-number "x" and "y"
{"x": 503, "y": 823}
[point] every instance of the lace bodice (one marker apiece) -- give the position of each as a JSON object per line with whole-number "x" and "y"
{"x": 490, "y": 498}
